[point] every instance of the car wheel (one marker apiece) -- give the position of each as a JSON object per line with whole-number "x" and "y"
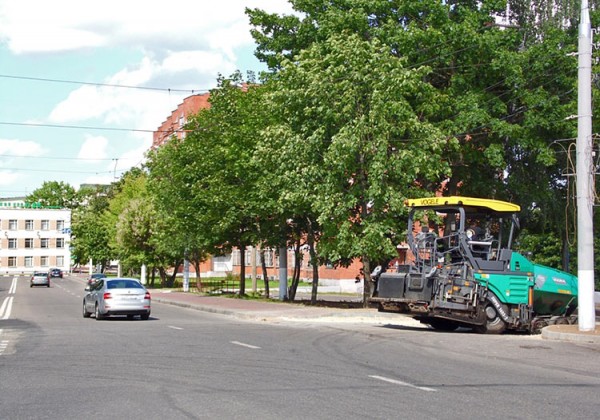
{"x": 86, "y": 314}
{"x": 99, "y": 316}
{"x": 30, "y": 284}
{"x": 145, "y": 317}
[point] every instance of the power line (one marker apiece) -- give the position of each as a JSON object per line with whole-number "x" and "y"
{"x": 85, "y": 127}
{"x": 76, "y": 82}
{"x": 58, "y": 158}
{"x": 57, "y": 170}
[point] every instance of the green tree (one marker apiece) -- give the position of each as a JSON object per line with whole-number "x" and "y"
{"x": 54, "y": 194}
{"x": 502, "y": 95}
{"x": 90, "y": 238}
{"x": 352, "y": 142}
{"x": 224, "y": 140}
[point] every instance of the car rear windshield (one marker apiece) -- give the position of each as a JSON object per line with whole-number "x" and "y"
{"x": 123, "y": 284}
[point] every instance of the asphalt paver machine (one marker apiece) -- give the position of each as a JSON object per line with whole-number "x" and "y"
{"x": 463, "y": 272}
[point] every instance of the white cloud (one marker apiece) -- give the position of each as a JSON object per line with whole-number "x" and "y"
{"x": 8, "y": 177}
{"x": 21, "y": 148}
{"x": 93, "y": 148}
{"x": 183, "y": 44}
{"x": 65, "y": 25}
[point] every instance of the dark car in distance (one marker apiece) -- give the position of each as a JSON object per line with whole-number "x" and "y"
{"x": 56, "y": 272}
{"x": 95, "y": 277}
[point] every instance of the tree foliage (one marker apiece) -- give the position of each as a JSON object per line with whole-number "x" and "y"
{"x": 500, "y": 97}
{"x": 352, "y": 142}
{"x": 55, "y": 194}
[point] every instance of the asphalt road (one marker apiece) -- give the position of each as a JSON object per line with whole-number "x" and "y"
{"x": 185, "y": 364}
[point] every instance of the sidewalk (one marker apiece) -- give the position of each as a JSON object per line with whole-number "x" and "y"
{"x": 259, "y": 310}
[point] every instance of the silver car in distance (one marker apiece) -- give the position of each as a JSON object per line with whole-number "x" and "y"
{"x": 39, "y": 279}
{"x": 116, "y": 296}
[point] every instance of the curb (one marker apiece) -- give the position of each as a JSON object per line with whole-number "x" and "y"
{"x": 287, "y": 317}
{"x": 571, "y": 333}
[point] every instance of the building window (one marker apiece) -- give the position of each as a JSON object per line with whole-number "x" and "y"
{"x": 28, "y": 261}
{"x": 60, "y": 242}
{"x": 12, "y": 261}
{"x": 45, "y": 224}
{"x": 28, "y": 242}
{"x": 248, "y": 257}
{"x": 44, "y": 261}
{"x": 235, "y": 257}
{"x": 268, "y": 257}
{"x": 60, "y": 261}
{"x": 12, "y": 224}
{"x": 12, "y": 243}
{"x": 44, "y": 243}
{"x": 29, "y": 224}
{"x": 60, "y": 224}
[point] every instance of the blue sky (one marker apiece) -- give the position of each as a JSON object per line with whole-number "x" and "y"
{"x": 176, "y": 45}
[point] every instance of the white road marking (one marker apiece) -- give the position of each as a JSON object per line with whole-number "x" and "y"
{"x": 397, "y": 382}
{"x": 6, "y": 307}
{"x": 13, "y": 287}
{"x": 250, "y": 346}
{"x": 175, "y": 328}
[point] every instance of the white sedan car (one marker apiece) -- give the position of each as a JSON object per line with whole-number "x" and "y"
{"x": 116, "y": 296}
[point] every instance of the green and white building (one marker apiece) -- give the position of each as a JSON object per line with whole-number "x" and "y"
{"x": 33, "y": 238}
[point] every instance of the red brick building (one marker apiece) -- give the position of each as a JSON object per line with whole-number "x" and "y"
{"x": 173, "y": 125}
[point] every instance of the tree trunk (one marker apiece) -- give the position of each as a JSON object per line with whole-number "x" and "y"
{"x": 315, "y": 268}
{"x": 566, "y": 255}
{"x": 198, "y": 277}
{"x": 242, "y": 291}
{"x": 367, "y": 281}
{"x": 163, "y": 276}
{"x": 264, "y": 270}
{"x": 152, "y": 276}
{"x": 296, "y": 275}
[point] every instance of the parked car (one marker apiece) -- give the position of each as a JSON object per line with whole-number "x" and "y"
{"x": 56, "y": 272}
{"x": 95, "y": 277}
{"x": 40, "y": 279}
{"x": 116, "y": 296}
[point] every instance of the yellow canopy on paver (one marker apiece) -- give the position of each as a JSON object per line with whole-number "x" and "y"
{"x": 484, "y": 203}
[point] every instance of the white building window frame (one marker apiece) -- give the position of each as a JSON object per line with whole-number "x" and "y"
{"x": 44, "y": 261}
{"x": 28, "y": 261}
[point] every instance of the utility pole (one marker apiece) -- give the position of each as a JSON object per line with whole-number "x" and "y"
{"x": 585, "y": 173}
